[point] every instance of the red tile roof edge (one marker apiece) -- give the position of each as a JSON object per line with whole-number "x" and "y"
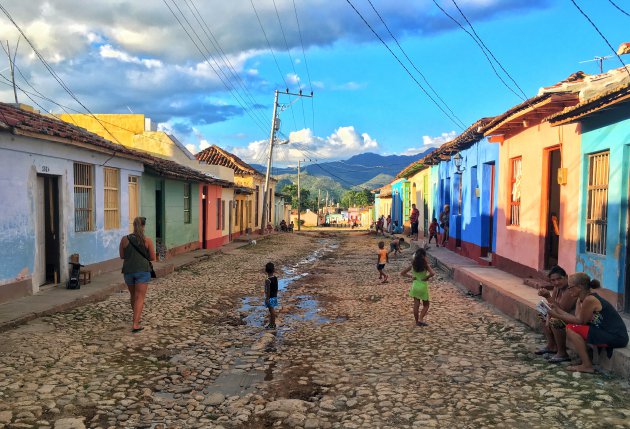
{"x": 593, "y": 104}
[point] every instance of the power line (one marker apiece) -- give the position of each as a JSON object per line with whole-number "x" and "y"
{"x": 308, "y": 73}
{"x": 239, "y": 99}
{"x": 488, "y": 49}
{"x": 403, "y": 65}
{"x": 602, "y": 36}
{"x": 286, "y": 43}
{"x": 221, "y": 53}
{"x": 414, "y": 65}
{"x": 619, "y": 8}
{"x": 482, "y": 50}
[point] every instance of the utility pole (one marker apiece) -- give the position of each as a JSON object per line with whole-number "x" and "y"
{"x": 319, "y": 194}
{"x": 274, "y": 128}
{"x": 12, "y": 65}
{"x": 299, "y": 201}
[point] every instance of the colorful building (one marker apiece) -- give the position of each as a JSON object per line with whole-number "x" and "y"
{"x": 66, "y": 191}
{"x": 183, "y": 215}
{"x": 249, "y": 206}
{"x": 401, "y": 201}
{"x": 603, "y": 115}
{"x": 419, "y": 177}
{"x": 538, "y": 176}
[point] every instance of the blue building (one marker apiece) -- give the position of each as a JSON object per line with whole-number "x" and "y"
{"x": 463, "y": 176}
{"x": 401, "y": 201}
{"x": 603, "y": 231}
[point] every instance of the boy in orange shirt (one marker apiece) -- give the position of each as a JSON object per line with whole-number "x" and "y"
{"x": 383, "y": 258}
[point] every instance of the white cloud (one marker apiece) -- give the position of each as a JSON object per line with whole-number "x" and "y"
{"x": 192, "y": 148}
{"x": 350, "y": 86}
{"x": 436, "y": 141}
{"x": 107, "y": 51}
{"x": 344, "y": 142}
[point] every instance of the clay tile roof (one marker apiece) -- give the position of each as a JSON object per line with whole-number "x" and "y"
{"x": 606, "y": 98}
{"x": 384, "y": 191}
{"x": 23, "y": 122}
{"x": 214, "y": 155}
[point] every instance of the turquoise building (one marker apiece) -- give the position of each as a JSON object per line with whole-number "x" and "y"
{"x": 603, "y": 232}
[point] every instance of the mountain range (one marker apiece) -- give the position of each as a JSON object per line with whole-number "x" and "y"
{"x": 366, "y": 170}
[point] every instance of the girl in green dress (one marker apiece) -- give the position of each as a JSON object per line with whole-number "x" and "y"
{"x": 421, "y": 272}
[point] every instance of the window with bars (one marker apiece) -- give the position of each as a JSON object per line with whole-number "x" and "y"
{"x": 134, "y": 192}
{"x": 597, "y": 203}
{"x": 111, "y": 199}
{"x": 256, "y": 208}
{"x": 516, "y": 172}
{"x": 187, "y": 191}
{"x": 219, "y": 213}
{"x": 236, "y": 213}
{"x": 460, "y": 195}
{"x": 222, "y": 214}
{"x": 83, "y": 197}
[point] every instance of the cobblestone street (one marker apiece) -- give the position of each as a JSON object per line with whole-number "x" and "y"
{"x": 347, "y": 354}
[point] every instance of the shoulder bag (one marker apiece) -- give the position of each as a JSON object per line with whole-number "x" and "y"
{"x": 153, "y": 275}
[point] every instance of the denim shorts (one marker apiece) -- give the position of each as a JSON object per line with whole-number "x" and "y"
{"x": 273, "y": 303}
{"x": 140, "y": 277}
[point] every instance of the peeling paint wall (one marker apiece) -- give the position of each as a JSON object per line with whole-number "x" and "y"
{"x": 21, "y": 160}
{"x": 599, "y": 133}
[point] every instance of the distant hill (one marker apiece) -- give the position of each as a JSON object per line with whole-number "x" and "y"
{"x": 375, "y": 182}
{"x": 313, "y": 184}
{"x": 358, "y": 170}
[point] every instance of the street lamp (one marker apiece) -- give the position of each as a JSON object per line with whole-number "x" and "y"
{"x": 457, "y": 159}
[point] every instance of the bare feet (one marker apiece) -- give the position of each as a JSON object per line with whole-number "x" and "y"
{"x": 581, "y": 368}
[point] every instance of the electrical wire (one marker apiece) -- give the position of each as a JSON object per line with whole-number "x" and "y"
{"x": 235, "y": 94}
{"x": 602, "y": 36}
{"x": 461, "y": 123}
{"x": 403, "y": 65}
{"x": 286, "y": 43}
{"x": 488, "y": 49}
{"x": 482, "y": 50}
{"x": 619, "y": 8}
{"x": 221, "y": 53}
{"x": 308, "y": 73}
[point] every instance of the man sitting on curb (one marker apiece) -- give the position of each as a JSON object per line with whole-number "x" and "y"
{"x": 555, "y": 329}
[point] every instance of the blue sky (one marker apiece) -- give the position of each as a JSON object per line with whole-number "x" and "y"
{"x": 118, "y": 56}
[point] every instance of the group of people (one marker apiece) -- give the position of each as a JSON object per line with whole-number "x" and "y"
{"x": 384, "y": 224}
{"x": 284, "y": 227}
{"x": 578, "y": 316}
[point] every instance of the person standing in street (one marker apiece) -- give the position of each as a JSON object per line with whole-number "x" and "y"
{"x": 444, "y": 223}
{"x": 271, "y": 294}
{"x": 413, "y": 218}
{"x": 421, "y": 271}
{"x": 383, "y": 258}
{"x": 137, "y": 251}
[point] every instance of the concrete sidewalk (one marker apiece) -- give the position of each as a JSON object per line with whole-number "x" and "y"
{"x": 513, "y": 297}
{"x": 57, "y": 298}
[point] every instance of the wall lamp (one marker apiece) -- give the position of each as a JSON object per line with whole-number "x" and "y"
{"x": 457, "y": 159}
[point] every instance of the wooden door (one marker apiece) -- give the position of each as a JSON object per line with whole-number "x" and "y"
{"x": 39, "y": 269}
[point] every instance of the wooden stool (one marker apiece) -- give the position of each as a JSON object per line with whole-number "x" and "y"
{"x": 85, "y": 276}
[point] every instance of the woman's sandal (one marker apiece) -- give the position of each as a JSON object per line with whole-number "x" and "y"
{"x": 545, "y": 351}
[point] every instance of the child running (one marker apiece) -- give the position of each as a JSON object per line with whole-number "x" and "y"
{"x": 394, "y": 246}
{"x": 419, "y": 289}
{"x": 433, "y": 232}
{"x": 383, "y": 258}
{"x": 271, "y": 294}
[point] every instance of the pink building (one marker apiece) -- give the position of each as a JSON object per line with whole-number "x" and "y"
{"x": 539, "y": 186}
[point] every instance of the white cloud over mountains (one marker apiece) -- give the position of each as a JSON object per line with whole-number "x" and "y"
{"x": 342, "y": 143}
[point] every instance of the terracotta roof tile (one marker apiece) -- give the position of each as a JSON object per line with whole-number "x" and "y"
{"x": 215, "y": 155}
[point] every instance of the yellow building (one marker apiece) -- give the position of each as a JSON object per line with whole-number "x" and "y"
{"x": 419, "y": 177}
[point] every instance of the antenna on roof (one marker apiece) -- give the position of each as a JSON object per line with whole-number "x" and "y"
{"x": 129, "y": 108}
{"x": 600, "y": 60}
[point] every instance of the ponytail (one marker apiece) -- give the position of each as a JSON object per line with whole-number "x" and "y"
{"x": 594, "y": 284}
{"x": 138, "y": 230}
{"x": 584, "y": 281}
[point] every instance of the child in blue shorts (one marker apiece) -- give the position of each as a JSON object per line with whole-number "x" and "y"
{"x": 271, "y": 294}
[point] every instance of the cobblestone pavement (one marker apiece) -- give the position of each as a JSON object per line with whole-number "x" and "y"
{"x": 347, "y": 354}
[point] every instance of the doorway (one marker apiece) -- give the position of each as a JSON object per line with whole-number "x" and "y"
{"x": 48, "y": 269}
{"x": 230, "y": 219}
{"x": 487, "y": 192}
{"x": 204, "y": 218}
{"x": 552, "y": 235}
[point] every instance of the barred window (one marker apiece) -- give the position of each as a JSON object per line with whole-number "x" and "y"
{"x": 218, "y": 213}
{"x": 257, "y": 204}
{"x": 187, "y": 192}
{"x": 83, "y": 197}
{"x": 597, "y": 203}
{"x": 111, "y": 199}
{"x": 222, "y": 214}
{"x": 516, "y": 172}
